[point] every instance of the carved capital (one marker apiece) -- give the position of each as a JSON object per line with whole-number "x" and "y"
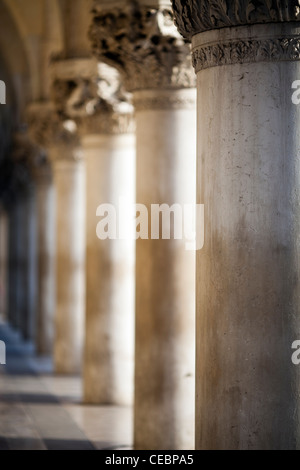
{"x": 74, "y": 86}
{"x": 139, "y": 39}
{"x": 48, "y": 130}
{"x": 92, "y": 95}
{"x": 197, "y": 16}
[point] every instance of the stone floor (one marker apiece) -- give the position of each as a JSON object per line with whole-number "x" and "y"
{"x": 40, "y": 411}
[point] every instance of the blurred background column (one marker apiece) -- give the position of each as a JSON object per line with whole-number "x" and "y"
{"x": 248, "y": 287}
{"x": 91, "y": 94}
{"x": 15, "y": 274}
{"x": 69, "y": 175}
{"x": 29, "y": 255}
{"x": 60, "y": 141}
{"x": 45, "y": 238}
{"x": 140, "y": 40}
{"x": 46, "y": 257}
{"x": 108, "y": 141}
{"x": 24, "y": 253}
{"x": 39, "y": 119}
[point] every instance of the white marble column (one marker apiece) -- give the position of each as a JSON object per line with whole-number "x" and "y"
{"x": 59, "y": 138}
{"x": 109, "y": 348}
{"x": 155, "y": 65}
{"x": 46, "y": 302}
{"x": 69, "y": 176}
{"x": 248, "y": 271}
{"x": 165, "y": 280}
{"x": 100, "y": 106}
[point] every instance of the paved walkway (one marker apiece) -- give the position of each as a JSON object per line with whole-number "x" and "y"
{"x": 40, "y": 411}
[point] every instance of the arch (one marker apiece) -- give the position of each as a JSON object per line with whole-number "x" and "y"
{"x": 14, "y": 66}
{"x": 36, "y": 30}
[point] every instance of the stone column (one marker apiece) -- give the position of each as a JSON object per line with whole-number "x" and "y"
{"x": 109, "y": 143}
{"x": 100, "y": 106}
{"x": 45, "y": 194}
{"x": 58, "y": 137}
{"x": 24, "y": 256}
{"x": 29, "y": 264}
{"x": 69, "y": 175}
{"x": 15, "y": 274}
{"x": 39, "y": 117}
{"x": 247, "y": 273}
{"x": 140, "y": 40}
{"x": 110, "y": 306}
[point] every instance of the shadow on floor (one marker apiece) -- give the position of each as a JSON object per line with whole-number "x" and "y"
{"x": 41, "y": 411}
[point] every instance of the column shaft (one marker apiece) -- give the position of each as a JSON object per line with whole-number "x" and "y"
{"x": 70, "y": 263}
{"x": 29, "y": 266}
{"x": 156, "y": 67}
{"x": 165, "y": 276}
{"x": 109, "y": 349}
{"x": 15, "y": 300}
{"x": 248, "y": 271}
{"x": 46, "y": 266}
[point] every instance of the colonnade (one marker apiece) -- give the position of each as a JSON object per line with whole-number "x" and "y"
{"x": 123, "y": 125}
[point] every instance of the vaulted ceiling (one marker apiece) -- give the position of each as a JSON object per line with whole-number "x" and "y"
{"x": 31, "y": 33}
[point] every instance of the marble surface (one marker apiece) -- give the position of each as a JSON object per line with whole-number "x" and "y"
{"x": 41, "y": 411}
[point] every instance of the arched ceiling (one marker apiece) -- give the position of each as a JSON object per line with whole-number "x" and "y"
{"x": 14, "y": 64}
{"x": 31, "y": 33}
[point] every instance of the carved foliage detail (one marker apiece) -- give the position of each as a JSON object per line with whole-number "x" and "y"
{"x": 246, "y": 51}
{"x": 47, "y": 129}
{"x": 196, "y": 16}
{"x": 98, "y": 103}
{"x": 143, "y": 44}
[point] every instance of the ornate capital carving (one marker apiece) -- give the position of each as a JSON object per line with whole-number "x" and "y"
{"x": 139, "y": 39}
{"x": 240, "y": 46}
{"x": 48, "y": 130}
{"x": 196, "y": 16}
{"x": 92, "y": 95}
{"x": 74, "y": 86}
